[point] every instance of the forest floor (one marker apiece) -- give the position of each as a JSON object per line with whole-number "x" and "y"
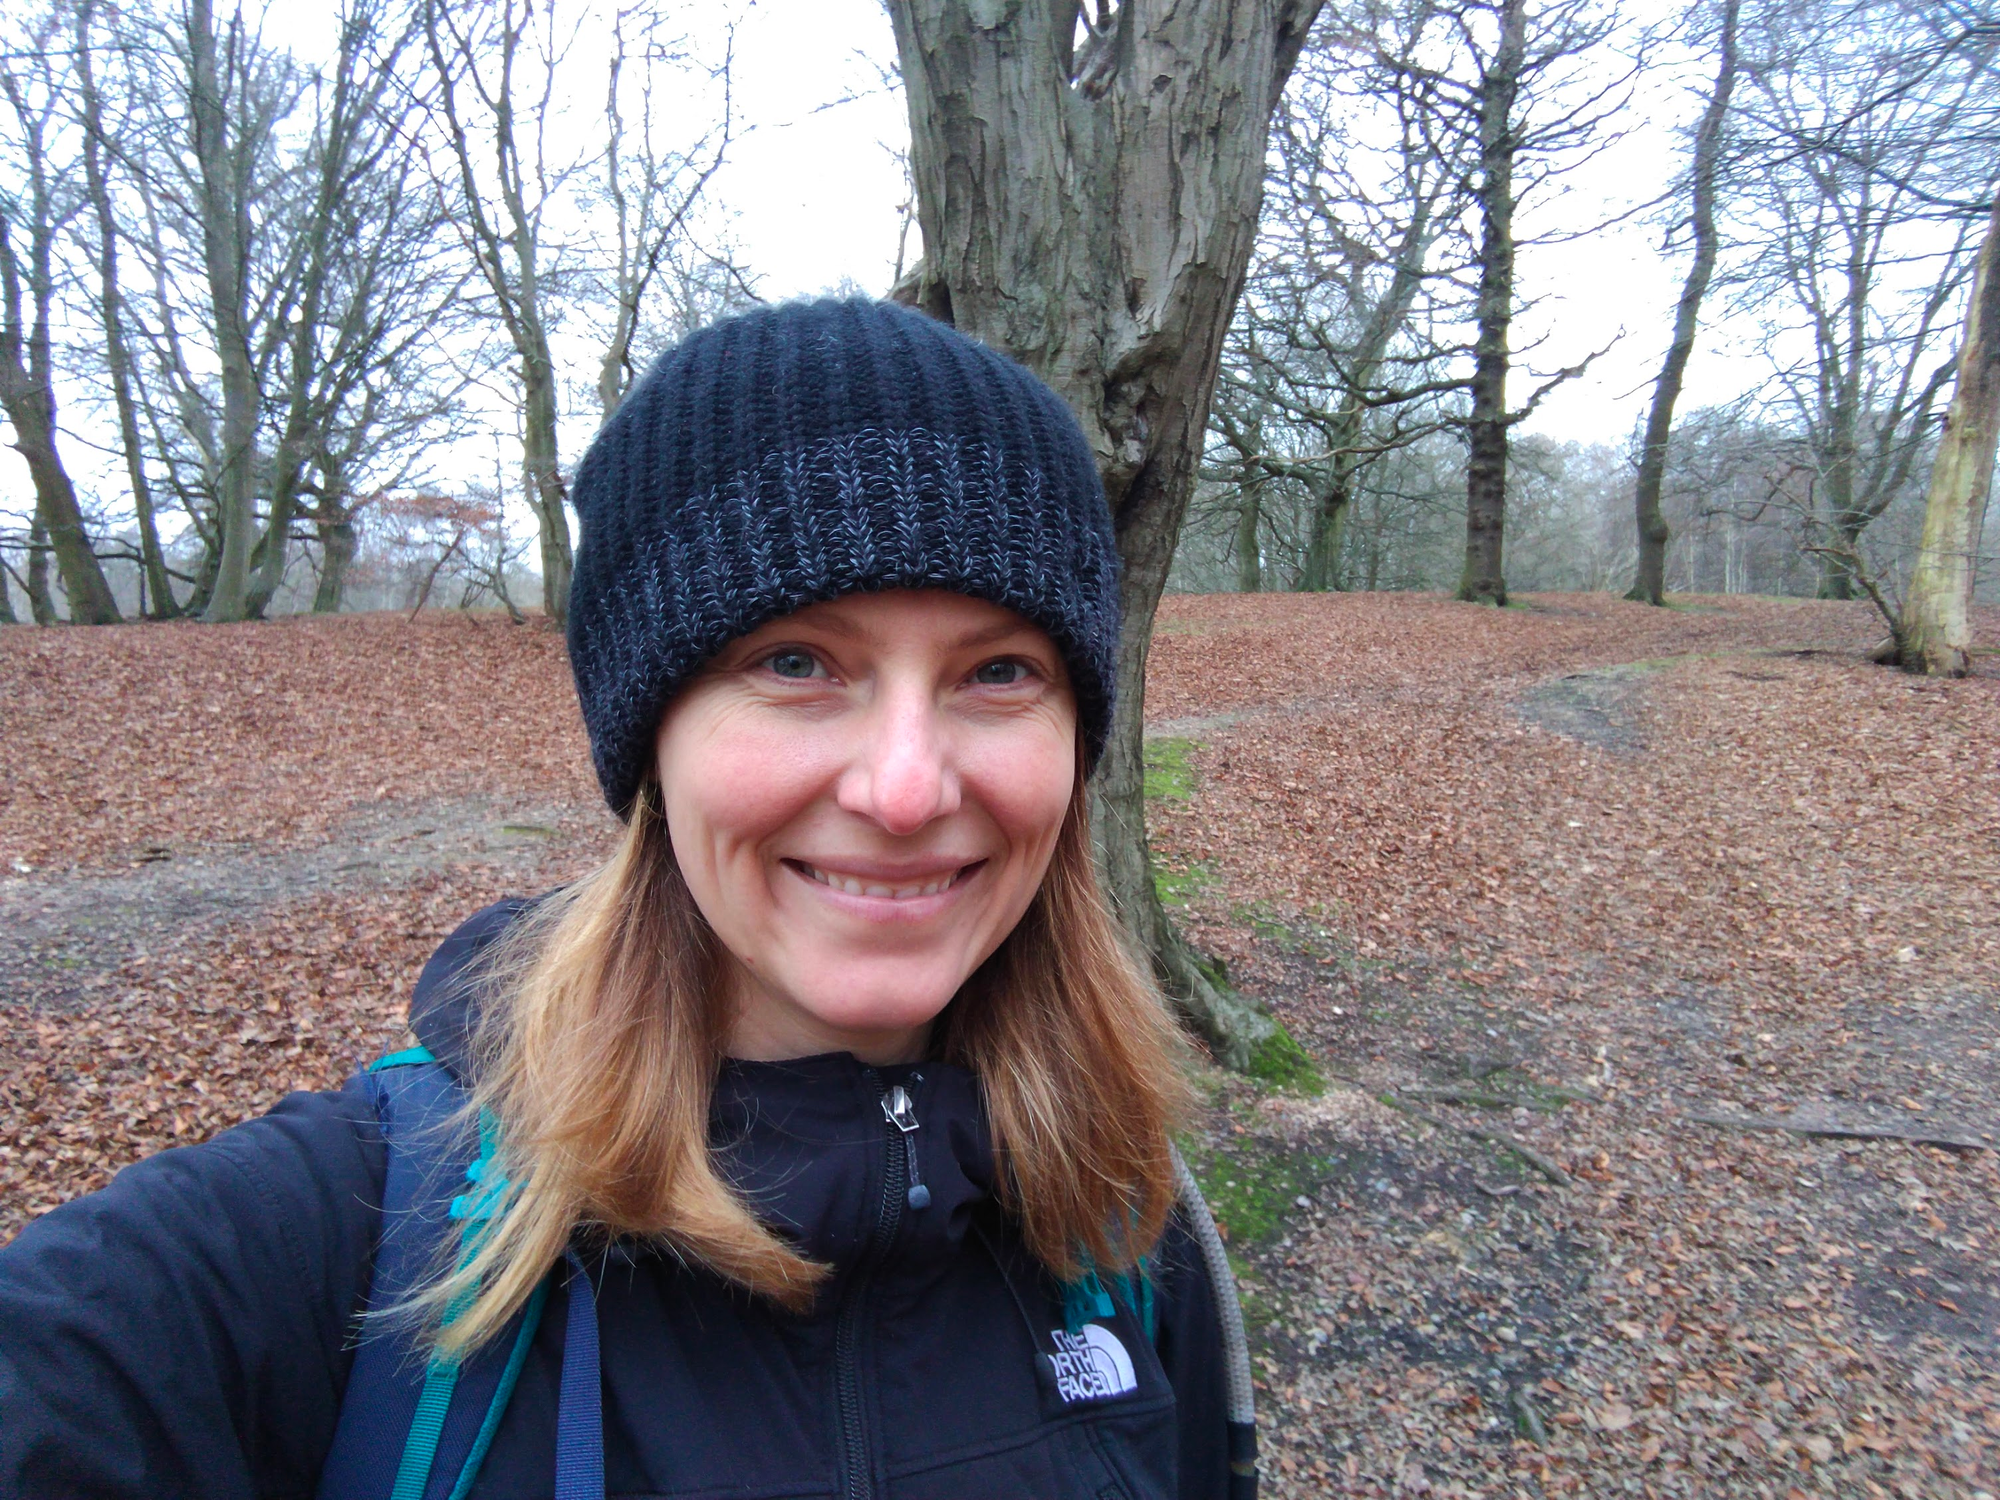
{"x": 1651, "y": 957}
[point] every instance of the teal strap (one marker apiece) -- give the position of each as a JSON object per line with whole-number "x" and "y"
{"x": 408, "y": 1057}
{"x": 531, "y": 1319}
{"x": 420, "y": 1448}
{"x": 475, "y": 1212}
{"x": 1086, "y": 1298}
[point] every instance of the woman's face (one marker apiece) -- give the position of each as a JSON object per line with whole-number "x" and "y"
{"x": 863, "y": 798}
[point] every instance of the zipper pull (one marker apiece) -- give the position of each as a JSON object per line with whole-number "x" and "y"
{"x": 901, "y": 1113}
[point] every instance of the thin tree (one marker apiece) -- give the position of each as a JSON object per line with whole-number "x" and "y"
{"x": 652, "y": 189}
{"x": 1650, "y": 584}
{"x": 98, "y": 145}
{"x": 1484, "y": 579}
{"x": 480, "y": 51}
{"x": 1088, "y": 180}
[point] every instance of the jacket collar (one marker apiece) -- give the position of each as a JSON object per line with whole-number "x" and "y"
{"x": 806, "y": 1141}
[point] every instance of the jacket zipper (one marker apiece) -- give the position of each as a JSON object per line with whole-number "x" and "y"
{"x": 900, "y": 1187}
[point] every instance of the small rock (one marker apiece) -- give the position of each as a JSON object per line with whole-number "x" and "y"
{"x": 1303, "y": 1201}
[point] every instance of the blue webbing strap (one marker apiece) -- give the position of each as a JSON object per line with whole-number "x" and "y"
{"x": 580, "y": 1407}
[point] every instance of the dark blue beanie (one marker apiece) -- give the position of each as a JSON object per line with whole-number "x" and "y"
{"x": 798, "y": 453}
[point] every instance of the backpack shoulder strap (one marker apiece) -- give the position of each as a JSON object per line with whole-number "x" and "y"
{"x": 411, "y": 1426}
{"x": 1241, "y": 1393}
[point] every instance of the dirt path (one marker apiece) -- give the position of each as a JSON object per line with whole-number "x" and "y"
{"x": 62, "y": 932}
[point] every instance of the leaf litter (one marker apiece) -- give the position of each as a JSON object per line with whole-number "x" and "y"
{"x": 1566, "y": 875}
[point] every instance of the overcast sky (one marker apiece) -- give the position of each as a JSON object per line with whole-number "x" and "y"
{"x": 813, "y": 191}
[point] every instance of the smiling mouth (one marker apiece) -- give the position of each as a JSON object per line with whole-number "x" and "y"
{"x": 909, "y": 890}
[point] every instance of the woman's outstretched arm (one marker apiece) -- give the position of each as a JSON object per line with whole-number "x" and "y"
{"x": 185, "y": 1331}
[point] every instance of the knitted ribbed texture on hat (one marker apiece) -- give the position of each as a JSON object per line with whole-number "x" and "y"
{"x": 798, "y": 453}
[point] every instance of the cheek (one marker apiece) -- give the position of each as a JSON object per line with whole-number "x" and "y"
{"x": 724, "y": 792}
{"x": 1026, "y": 791}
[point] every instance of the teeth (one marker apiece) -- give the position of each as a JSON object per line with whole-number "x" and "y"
{"x": 854, "y": 887}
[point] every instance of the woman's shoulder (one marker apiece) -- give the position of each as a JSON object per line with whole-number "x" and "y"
{"x": 444, "y": 1008}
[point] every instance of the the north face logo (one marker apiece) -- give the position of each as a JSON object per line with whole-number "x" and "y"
{"x": 1091, "y": 1365}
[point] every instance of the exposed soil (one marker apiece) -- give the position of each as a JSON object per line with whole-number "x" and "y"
{"x": 66, "y": 931}
{"x": 1575, "y": 876}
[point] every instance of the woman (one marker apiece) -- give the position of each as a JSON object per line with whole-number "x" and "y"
{"x": 818, "y": 1143}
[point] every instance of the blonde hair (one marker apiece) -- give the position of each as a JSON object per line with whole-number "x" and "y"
{"x": 600, "y": 1049}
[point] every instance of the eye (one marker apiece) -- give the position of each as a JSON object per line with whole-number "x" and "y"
{"x": 1003, "y": 673}
{"x": 794, "y": 664}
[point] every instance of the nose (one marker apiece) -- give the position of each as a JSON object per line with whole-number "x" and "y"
{"x": 901, "y": 776}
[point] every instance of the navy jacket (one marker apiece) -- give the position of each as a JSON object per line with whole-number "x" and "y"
{"x": 188, "y": 1330}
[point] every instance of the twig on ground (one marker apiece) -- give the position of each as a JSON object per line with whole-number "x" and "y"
{"x": 1526, "y": 1419}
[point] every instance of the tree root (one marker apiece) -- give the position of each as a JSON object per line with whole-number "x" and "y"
{"x": 1552, "y": 1170}
{"x": 1795, "y": 1125}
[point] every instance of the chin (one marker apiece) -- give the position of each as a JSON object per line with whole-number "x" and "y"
{"x": 875, "y": 1003}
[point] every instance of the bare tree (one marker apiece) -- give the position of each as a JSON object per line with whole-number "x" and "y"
{"x": 331, "y": 275}
{"x": 363, "y": 373}
{"x": 30, "y": 222}
{"x": 1498, "y": 86}
{"x": 237, "y": 93}
{"x": 481, "y": 50}
{"x": 652, "y": 188}
{"x": 1516, "y": 98}
{"x": 1703, "y": 172}
{"x": 1329, "y": 364}
{"x": 99, "y": 144}
{"x": 1088, "y": 179}
{"x": 1862, "y": 151}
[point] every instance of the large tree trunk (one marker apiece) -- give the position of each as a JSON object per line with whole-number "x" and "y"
{"x": 1937, "y": 622}
{"x": 41, "y": 603}
{"x": 1484, "y": 579}
{"x": 337, "y": 541}
{"x": 1092, "y": 212}
{"x": 224, "y": 237}
{"x": 1249, "y": 560}
{"x": 1332, "y": 491}
{"x": 1329, "y": 532}
{"x": 1650, "y": 585}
